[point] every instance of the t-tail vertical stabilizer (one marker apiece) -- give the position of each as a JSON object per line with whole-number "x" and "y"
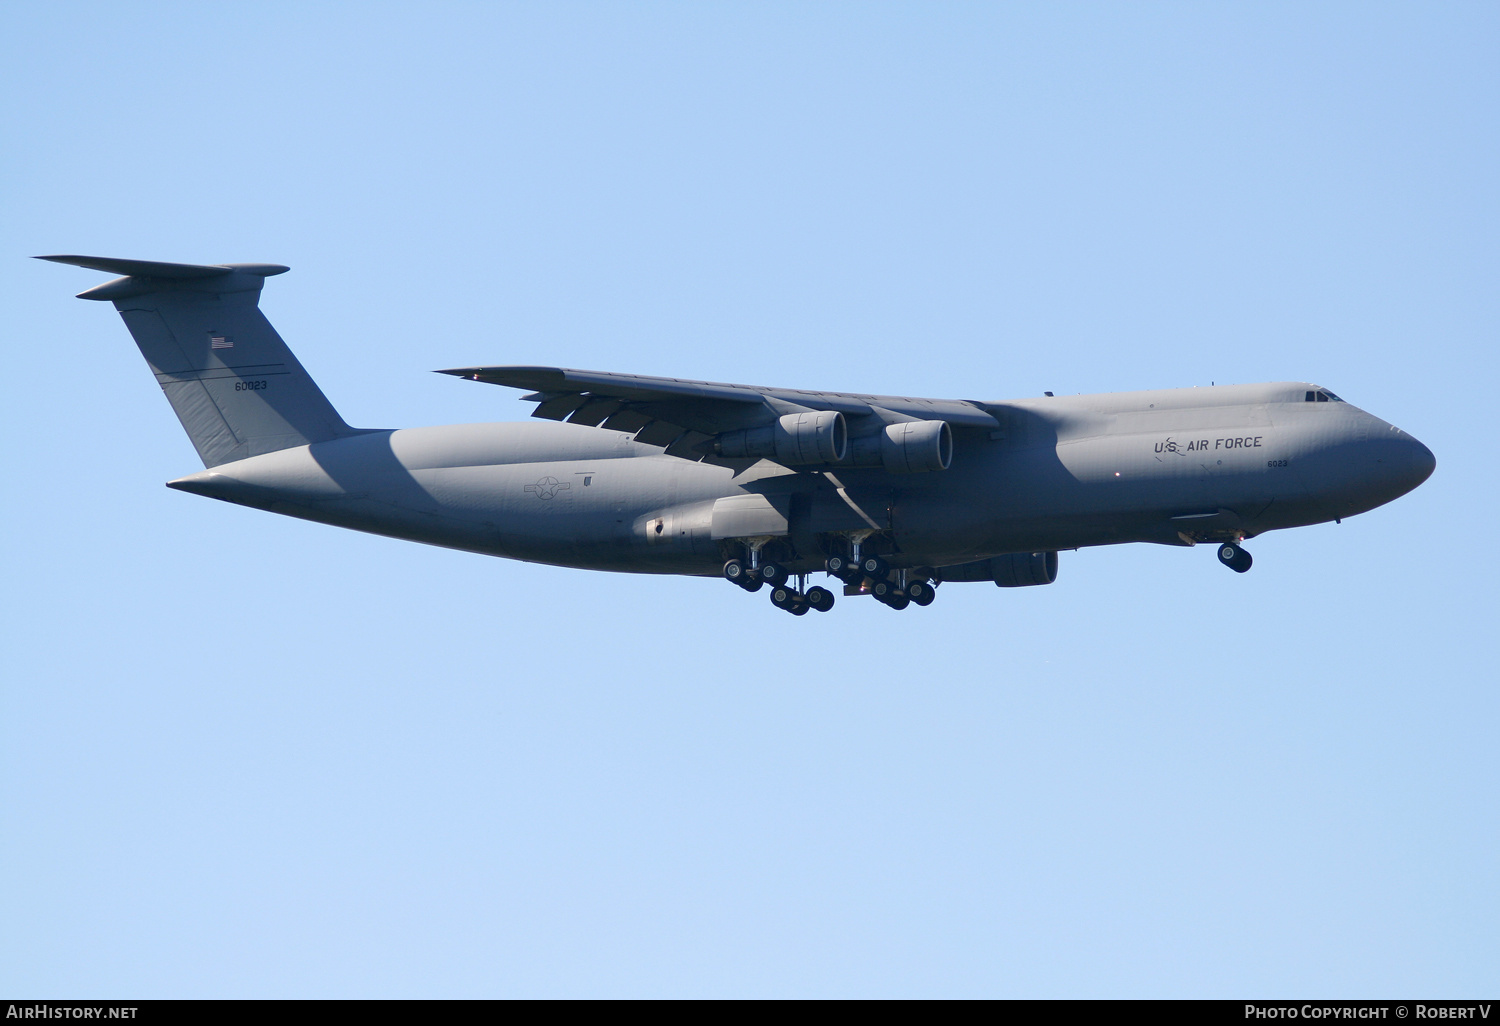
{"x": 234, "y": 384}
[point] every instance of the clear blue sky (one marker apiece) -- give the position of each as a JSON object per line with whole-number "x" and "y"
{"x": 248, "y": 756}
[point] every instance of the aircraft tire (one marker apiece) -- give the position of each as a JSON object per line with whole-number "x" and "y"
{"x": 783, "y": 597}
{"x": 839, "y": 567}
{"x": 1234, "y": 557}
{"x": 735, "y": 571}
{"x": 820, "y": 599}
{"x": 874, "y": 566}
{"x": 921, "y": 593}
{"x": 773, "y": 573}
{"x": 897, "y": 600}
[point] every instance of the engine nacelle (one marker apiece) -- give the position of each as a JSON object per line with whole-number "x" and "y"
{"x": 913, "y": 447}
{"x": 1015, "y": 570}
{"x": 916, "y": 446}
{"x": 796, "y": 439}
{"x": 1023, "y": 569}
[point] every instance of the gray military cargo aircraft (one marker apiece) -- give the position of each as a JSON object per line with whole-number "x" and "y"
{"x": 890, "y": 495}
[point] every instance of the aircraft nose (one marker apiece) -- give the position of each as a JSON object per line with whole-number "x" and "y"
{"x": 1423, "y": 461}
{"x": 1406, "y": 462}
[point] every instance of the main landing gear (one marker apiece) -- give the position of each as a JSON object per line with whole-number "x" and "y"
{"x": 1234, "y": 557}
{"x": 872, "y": 575}
{"x": 783, "y": 595}
{"x": 861, "y": 574}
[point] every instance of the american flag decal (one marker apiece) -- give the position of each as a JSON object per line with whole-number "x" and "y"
{"x": 221, "y": 342}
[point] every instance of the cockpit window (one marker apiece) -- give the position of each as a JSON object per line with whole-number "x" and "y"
{"x": 1322, "y": 395}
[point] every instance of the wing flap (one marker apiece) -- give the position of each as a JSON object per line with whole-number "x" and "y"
{"x": 557, "y": 407}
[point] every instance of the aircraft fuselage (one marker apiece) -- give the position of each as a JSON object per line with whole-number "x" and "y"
{"x": 1173, "y": 466}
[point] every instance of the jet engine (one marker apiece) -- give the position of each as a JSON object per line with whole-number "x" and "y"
{"x": 794, "y": 440}
{"x": 1015, "y": 570}
{"x": 912, "y": 447}
{"x": 917, "y": 446}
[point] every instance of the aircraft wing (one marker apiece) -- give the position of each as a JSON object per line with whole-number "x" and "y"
{"x": 685, "y": 416}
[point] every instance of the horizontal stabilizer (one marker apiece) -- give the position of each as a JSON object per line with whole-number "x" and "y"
{"x": 158, "y": 269}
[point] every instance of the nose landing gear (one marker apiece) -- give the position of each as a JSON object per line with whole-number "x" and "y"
{"x": 1234, "y": 557}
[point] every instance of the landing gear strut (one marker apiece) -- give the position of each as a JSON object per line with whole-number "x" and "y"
{"x": 1234, "y": 557}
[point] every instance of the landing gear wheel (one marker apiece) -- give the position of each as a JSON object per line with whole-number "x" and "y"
{"x": 874, "y": 566}
{"x": 783, "y": 597}
{"x": 897, "y": 600}
{"x": 891, "y": 595}
{"x": 840, "y": 568}
{"x": 921, "y": 592}
{"x": 820, "y": 599}
{"x": 773, "y": 573}
{"x": 736, "y": 572}
{"x": 1234, "y": 557}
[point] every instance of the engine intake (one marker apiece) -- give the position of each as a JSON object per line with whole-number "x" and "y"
{"x": 796, "y": 439}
